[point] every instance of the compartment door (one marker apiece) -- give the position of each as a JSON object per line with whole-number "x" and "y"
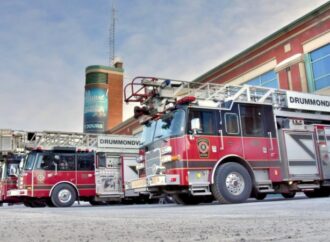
{"x": 324, "y": 147}
{"x": 108, "y": 177}
{"x": 301, "y": 155}
{"x": 129, "y": 169}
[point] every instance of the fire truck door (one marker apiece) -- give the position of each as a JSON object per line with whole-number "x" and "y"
{"x": 108, "y": 177}
{"x": 254, "y": 134}
{"x": 85, "y": 174}
{"x": 324, "y": 151}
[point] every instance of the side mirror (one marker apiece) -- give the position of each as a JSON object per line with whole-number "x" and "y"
{"x": 13, "y": 171}
{"x": 195, "y": 125}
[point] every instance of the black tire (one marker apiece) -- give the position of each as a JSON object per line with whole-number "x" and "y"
{"x": 165, "y": 200}
{"x": 187, "y": 199}
{"x": 27, "y": 204}
{"x": 97, "y": 203}
{"x": 34, "y": 203}
{"x": 238, "y": 187}
{"x": 289, "y": 195}
{"x": 63, "y": 195}
{"x": 50, "y": 203}
{"x": 260, "y": 196}
{"x": 317, "y": 193}
{"x": 38, "y": 204}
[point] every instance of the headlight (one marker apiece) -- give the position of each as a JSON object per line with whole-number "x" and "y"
{"x": 140, "y": 159}
{"x": 157, "y": 169}
{"x": 140, "y": 166}
{"x": 166, "y": 158}
{"x": 166, "y": 150}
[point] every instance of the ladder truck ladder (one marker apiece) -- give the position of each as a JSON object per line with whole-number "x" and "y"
{"x": 155, "y": 93}
{"x": 49, "y": 139}
{"x": 12, "y": 141}
{"x": 143, "y": 89}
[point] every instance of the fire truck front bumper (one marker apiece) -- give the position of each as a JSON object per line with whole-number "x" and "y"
{"x": 154, "y": 181}
{"x": 17, "y": 193}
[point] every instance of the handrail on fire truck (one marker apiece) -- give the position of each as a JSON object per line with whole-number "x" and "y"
{"x": 47, "y": 139}
{"x": 142, "y": 89}
{"x": 154, "y": 95}
{"x": 12, "y": 141}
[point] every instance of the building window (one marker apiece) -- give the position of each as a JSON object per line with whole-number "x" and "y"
{"x": 318, "y": 68}
{"x": 268, "y": 79}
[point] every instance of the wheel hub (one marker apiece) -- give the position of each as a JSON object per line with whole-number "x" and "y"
{"x": 235, "y": 183}
{"x": 64, "y": 196}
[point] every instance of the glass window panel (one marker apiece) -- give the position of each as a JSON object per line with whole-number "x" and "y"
{"x": 320, "y": 63}
{"x": 251, "y": 119}
{"x": 268, "y": 79}
{"x": 65, "y": 162}
{"x": 323, "y": 82}
{"x": 321, "y": 67}
{"x": 319, "y": 53}
{"x": 85, "y": 162}
{"x": 272, "y": 84}
{"x": 267, "y": 76}
{"x": 253, "y": 82}
{"x": 231, "y": 123}
{"x": 206, "y": 120}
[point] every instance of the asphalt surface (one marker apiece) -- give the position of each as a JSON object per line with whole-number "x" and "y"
{"x": 275, "y": 219}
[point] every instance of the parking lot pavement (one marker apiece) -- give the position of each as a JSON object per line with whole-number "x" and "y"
{"x": 278, "y": 219}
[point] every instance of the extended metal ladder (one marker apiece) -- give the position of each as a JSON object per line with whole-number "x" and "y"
{"x": 142, "y": 89}
{"x": 62, "y": 139}
{"x": 12, "y": 141}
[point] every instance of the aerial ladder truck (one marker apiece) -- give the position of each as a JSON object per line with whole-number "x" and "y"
{"x": 12, "y": 153}
{"x": 64, "y": 167}
{"x": 205, "y": 141}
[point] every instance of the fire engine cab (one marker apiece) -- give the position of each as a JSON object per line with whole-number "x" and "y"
{"x": 62, "y": 168}
{"x": 203, "y": 141}
{"x": 12, "y": 152}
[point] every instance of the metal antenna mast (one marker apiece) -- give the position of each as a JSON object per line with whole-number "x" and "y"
{"x": 112, "y": 35}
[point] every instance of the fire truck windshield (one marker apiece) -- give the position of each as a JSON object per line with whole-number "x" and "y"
{"x": 30, "y": 161}
{"x": 1, "y": 167}
{"x": 172, "y": 124}
{"x": 148, "y": 132}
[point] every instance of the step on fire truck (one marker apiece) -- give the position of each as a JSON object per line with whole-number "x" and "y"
{"x": 12, "y": 153}
{"x": 203, "y": 141}
{"x": 64, "y": 167}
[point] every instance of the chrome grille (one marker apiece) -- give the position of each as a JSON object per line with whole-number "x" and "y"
{"x": 152, "y": 158}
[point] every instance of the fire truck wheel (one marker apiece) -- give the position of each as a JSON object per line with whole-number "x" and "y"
{"x": 289, "y": 195}
{"x": 187, "y": 199}
{"x": 97, "y": 203}
{"x": 232, "y": 183}
{"x": 37, "y": 204}
{"x": 260, "y": 196}
{"x": 63, "y": 195}
{"x": 50, "y": 203}
{"x": 317, "y": 193}
{"x": 27, "y": 204}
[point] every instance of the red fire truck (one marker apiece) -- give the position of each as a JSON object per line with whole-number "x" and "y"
{"x": 62, "y": 168}
{"x": 11, "y": 154}
{"x": 203, "y": 141}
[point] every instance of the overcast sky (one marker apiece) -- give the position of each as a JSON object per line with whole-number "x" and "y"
{"x": 45, "y": 46}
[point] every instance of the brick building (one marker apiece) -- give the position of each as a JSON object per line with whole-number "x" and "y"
{"x": 296, "y": 57}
